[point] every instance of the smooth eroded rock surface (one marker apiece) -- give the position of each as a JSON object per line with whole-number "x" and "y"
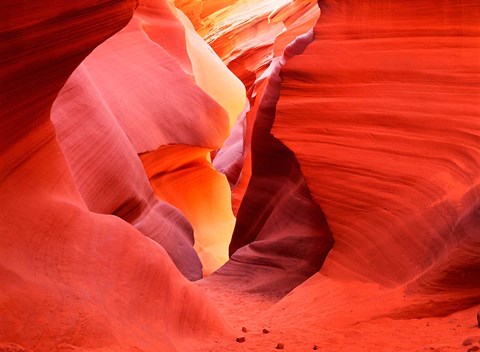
{"x": 71, "y": 278}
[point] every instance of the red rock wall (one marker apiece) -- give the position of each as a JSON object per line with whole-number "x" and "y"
{"x": 382, "y": 113}
{"x": 71, "y": 278}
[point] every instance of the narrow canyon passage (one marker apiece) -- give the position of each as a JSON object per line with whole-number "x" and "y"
{"x": 240, "y": 175}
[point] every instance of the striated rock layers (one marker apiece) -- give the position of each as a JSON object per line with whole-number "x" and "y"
{"x": 385, "y": 123}
{"x": 248, "y": 34}
{"x": 382, "y": 113}
{"x": 381, "y": 110}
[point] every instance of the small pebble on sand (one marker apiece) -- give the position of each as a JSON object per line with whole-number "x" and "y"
{"x": 280, "y": 346}
{"x": 315, "y": 347}
{"x": 244, "y": 329}
{"x": 241, "y": 339}
{"x": 467, "y": 342}
{"x": 473, "y": 349}
{"x": 265, "y": 331}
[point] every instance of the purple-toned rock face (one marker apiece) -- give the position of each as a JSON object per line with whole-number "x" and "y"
{"x": 281, "y": 237}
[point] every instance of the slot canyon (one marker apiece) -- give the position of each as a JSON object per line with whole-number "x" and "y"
{"x": 240, "y": 175}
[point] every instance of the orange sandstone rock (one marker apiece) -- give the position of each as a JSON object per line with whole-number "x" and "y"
{"x": 385, "y": 126}
{"x": 71, "y": 277}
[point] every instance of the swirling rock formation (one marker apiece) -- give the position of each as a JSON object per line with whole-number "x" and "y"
{"x": 70, "y": 278}
{"x": 160, "y": 96}
{"x": 109, "y": 175}
{"x": 281, "y": 237}
{"x": 354, "y": 171}
{"x": 184, "y": 177}
{"x": 247, "y": 34}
